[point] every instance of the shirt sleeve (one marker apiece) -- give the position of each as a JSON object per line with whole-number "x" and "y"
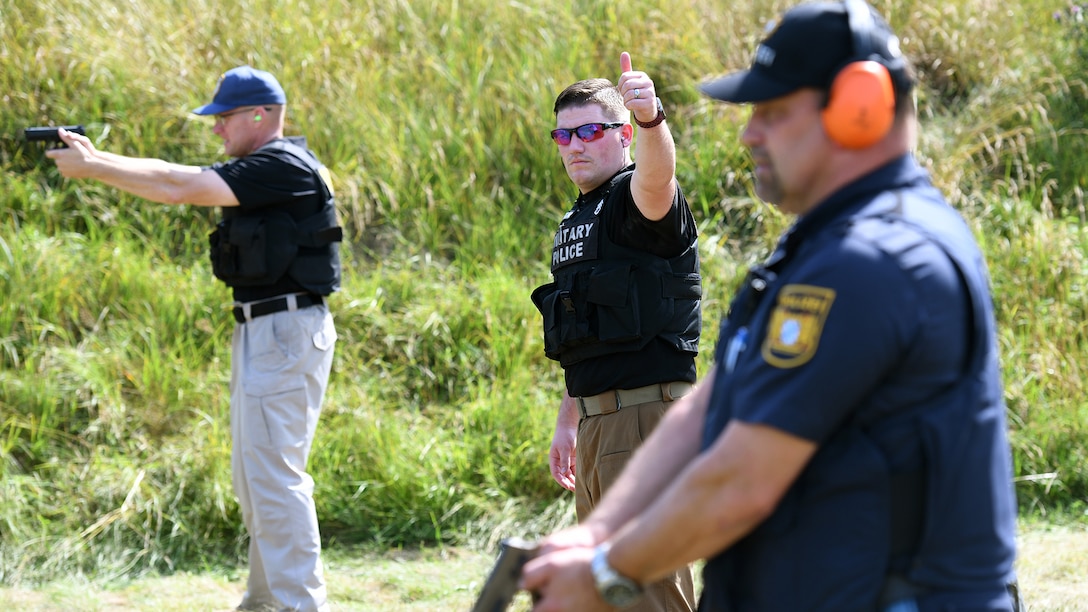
{"x": 668, "y": 237}
{"x": 267, "y": 178}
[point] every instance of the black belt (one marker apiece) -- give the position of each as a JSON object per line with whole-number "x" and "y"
{"x": 259, "y": 309}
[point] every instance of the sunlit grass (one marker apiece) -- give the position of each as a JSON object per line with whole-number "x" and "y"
{"x": 433, "y": 117}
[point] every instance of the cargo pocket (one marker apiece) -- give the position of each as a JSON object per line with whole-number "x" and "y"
{"x": 325, "y": 337}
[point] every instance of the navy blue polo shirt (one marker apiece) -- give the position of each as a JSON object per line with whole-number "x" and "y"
{"x": 859, "y": 335}
{"x": 845, "y": 318}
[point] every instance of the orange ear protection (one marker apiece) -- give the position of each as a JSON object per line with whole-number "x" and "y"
{"x": 860, "y": 106}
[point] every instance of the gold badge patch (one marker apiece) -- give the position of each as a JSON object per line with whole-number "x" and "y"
{"x": 796, "y": 324}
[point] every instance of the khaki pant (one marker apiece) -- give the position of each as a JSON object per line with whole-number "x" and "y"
{"x": 605, "y": 444}
{"x": 279, "y": 370}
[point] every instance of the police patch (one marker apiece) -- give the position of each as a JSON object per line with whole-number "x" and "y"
{"x": 793, "y": 332}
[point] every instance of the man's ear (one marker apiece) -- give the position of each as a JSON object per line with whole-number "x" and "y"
{"x": 628, "y": 134}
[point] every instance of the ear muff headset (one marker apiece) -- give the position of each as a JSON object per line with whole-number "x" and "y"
{"x": 860, "y": 106}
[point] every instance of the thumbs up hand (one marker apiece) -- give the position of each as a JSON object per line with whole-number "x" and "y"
{"x": 637, "y": 89}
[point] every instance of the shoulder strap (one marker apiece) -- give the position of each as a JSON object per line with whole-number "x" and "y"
{"x": 305, "y": 157}
{"x": 322, "y": 235}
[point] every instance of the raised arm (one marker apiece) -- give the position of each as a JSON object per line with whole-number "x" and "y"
{"x": 653, "y": 185}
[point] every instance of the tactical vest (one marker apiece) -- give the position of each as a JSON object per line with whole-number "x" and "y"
{"x": 606, "y": 298}
{"x": 933, "y": 525}
{"x": 259, "y": 247}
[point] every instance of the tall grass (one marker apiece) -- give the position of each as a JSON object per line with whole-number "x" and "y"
{"x": 114, "y": 339}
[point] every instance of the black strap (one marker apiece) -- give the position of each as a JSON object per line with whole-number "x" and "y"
{"x": 319, "y": 238}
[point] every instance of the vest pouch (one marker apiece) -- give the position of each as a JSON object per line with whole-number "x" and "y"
{"x": 614, "y": 303}
{"x": 544, "y": 298}
{"x": 564, "y": 328}
{"x": 219, "y": 252}
{"x": 605, "y": 310}
{"x": 232, "y": 248}
{"x": 684, "y": 292}
{"x": 249, "y": 251}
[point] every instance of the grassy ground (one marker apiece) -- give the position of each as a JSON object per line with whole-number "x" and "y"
{"x": 1053, "y": 570}
{"x": 433, "y": 118}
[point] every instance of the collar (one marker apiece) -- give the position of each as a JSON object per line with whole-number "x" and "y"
{"x": 902, "y": 172}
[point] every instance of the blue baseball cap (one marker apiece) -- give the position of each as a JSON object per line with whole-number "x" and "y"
{"x": 243, "y": 86}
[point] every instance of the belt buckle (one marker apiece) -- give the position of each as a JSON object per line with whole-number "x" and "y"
{"x": 606, "y": 408}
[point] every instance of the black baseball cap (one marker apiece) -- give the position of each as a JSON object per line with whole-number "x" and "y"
{"x": 806, "y": 47}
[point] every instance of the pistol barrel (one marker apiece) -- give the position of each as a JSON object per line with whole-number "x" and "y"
{"x": 49, "y": 134}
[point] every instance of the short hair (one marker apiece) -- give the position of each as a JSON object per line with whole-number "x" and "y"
{"x": 594, "y": 91}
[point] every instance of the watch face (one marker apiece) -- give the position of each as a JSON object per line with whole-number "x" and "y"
{"x": 620, "y": 595}
{"x": 615, "y": 589}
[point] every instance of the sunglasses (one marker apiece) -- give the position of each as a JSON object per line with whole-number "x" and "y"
{"x": 587, "y": 133}
{"x": 222, "y": 117}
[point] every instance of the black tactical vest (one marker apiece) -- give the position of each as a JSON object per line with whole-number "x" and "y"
{"x": 257, "y": 248}
{"x": 606, "y": 298}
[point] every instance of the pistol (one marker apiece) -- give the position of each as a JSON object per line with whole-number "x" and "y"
{"x": 49, "y": 134}
{"x": 502, "y": 584}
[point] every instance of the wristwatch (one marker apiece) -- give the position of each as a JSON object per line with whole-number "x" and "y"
{"x": 656, "y": 120}
{"x": 615, "y": 589}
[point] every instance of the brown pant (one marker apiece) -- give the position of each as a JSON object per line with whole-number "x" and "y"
{"x": 605, "y": 444}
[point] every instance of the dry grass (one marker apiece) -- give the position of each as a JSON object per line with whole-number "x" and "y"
{"x": 1053, "y": 569}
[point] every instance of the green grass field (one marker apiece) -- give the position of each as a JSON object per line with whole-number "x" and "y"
{"x": 433, "y": 117}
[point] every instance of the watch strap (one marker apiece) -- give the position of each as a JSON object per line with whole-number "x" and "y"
{"x": 656, "y": 120}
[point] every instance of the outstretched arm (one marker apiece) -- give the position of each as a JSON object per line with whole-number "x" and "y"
{"x": 722, "y": 495}
{"x": 152, "y": 179}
